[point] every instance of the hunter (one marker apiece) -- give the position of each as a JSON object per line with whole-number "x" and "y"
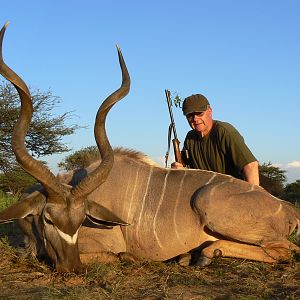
{"x": 214, "y": 145}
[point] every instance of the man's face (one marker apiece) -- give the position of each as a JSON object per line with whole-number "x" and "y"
{"x": 201, "y": 121}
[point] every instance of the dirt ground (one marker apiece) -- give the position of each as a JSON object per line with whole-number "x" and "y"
{"x": 23, "y": 278}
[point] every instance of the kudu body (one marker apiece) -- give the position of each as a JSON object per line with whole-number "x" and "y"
{"x": 174, "y": 211}
{"x": 143, "y": 209}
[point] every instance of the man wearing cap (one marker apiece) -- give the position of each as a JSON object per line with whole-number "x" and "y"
{"x": 214, "y": 145}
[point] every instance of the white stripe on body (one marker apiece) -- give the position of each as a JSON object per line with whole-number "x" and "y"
{"x": 158, "y": 208}
{"x": 252, "y": 188}
{"x": 178, "y": 198}
{"x": 129, "y": 217}
{"x": 217, "y": 185}
{"x": 142, "y": 207}
{"x": 278, "y": 210}
{"x": 211, "y": 179}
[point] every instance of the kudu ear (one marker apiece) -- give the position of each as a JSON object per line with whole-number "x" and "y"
{"x": 32, "y": 204}
{"x": 100, "y": 215}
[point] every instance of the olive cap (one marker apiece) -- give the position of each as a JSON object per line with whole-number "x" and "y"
{"x": 194, "y": 103}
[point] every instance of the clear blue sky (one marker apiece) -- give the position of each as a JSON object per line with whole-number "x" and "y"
{"x": 243, "y": 55}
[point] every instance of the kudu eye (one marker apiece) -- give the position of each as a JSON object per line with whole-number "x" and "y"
{"x": 47, "y": 220}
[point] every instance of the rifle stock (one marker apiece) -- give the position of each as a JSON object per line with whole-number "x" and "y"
{"x": 177, "y": 153}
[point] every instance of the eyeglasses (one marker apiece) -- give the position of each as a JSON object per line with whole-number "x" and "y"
{"x": 193, "y": 114}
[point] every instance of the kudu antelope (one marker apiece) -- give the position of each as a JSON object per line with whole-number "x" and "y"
{"x": 141, "y": 208}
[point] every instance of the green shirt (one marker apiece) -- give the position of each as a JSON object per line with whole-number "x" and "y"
{"x": 223, "y": 150}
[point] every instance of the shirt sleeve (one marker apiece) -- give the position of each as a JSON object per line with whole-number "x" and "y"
{"x": 237, "y": 148}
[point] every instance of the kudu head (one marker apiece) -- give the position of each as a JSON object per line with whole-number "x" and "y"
{"x": 61, "y": 209}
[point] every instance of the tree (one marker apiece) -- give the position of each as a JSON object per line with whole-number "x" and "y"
{"x": 274, "y": 173}
{"x": 292, "y": 192}
{"x": 15, "y": 180}
{"x": 80, "y": 159}
{"x": 45, "y": 133}
{"x": 272, "y": 178}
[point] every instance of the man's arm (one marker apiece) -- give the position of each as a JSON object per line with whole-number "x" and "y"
{"x": 250, "y": 172}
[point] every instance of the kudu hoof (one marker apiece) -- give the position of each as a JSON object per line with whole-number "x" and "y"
{"x": 203, "y": 261}
{"x": 217, "y": 253}
{"x": 127, "y": 257}
{"x": 184, "y": 259}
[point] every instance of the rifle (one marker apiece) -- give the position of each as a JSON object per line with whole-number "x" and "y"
{"x": 175, "y": 141}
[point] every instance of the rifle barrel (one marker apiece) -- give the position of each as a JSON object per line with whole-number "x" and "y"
{"x": 171, "y": 112}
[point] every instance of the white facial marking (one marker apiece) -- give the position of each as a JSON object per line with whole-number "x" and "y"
{"x": 71, "y": 240}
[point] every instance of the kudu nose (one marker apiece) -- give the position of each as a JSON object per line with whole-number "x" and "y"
{"x": 69, "y": 262}
{"x": 78, "y": 268}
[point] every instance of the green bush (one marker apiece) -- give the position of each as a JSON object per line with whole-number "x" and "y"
{"x": 6, "y": 200}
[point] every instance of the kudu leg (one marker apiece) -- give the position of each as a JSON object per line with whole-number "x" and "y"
{"x": 104, "y": 257}
{"x": 107, "y": 257}
{"x": 269, "y": 254}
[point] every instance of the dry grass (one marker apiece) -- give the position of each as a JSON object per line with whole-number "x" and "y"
{"x": 23, "y": 278}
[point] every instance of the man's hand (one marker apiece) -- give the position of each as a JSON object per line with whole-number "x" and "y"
{"x": 177, "y": 165}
